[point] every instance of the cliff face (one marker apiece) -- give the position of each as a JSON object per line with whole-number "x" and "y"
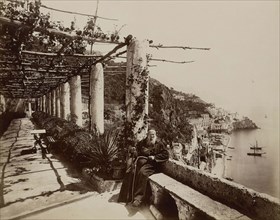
{"x": 245, "y": 123}
{"x": 168, "y": 109}
{"x": 166, "y": 116}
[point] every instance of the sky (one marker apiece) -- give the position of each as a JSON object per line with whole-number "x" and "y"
{"x": 241, "y": 71}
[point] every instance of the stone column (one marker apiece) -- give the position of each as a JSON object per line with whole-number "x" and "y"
{"x": 2, "y": 104}
{"x": 137, "y": 83}
{"x": 50, "y": 103}
{"x": 97, "y": 98}
{"x": 35, "y": 104}
{"x": 65, "y": 101}
{"x": 39, "y": 104}
{"x": 29, "y": 109}
{"x": 53, "y": 101}
{"x": 57, "y": 102}
{"x": 76, "y": 100}
{"x": 47, "y": 103}
{"x": 44, "y": 103}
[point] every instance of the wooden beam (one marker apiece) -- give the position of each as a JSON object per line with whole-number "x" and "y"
{"x": 171, "y": 61}
{"x": 36, "y": 53}
{"x": 159, "y": 46}
{"x": 111, "y": 52}
{"x": 35, "y": 70}
{"x": 62, "y": 54}
{"x": 78, "y": 13}
{"x": 8, "y": 21}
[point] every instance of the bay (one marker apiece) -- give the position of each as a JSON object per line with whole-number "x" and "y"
{"x": 258, "y": 173}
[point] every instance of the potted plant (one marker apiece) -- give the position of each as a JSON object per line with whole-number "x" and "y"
{"x": 105, "y": 162}
{"x": 103, "y": 152}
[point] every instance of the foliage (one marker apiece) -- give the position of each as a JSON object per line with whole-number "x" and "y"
{"x": 114, "y": 89}
{"x": 82, "y": 149}
{"x": 139, "y": 79}
{"x": 103, "y": 152}
{"x": 33, "y": 34}
{"x": 6, "y": 118}
{"x": 71, "y": 140}
{"x": 167, "y": 114}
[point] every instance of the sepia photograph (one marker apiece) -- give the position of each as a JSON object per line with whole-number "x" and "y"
{"x": 139, "y": 109}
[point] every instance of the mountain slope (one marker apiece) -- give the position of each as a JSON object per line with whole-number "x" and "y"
{"x": 169, "y": 109}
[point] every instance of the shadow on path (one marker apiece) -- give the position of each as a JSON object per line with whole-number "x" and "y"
{"x": 2, "y": 201}
{"x": 62, "y": 186}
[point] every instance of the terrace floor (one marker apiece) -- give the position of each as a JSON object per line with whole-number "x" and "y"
{"x": 37, "y": 188}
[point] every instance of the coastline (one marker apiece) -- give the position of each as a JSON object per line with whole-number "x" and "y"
{"x": 220, "y": 164}
{"x": 225, "y": 157}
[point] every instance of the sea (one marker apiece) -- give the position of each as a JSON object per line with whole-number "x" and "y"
{"x": 258, "y": 173}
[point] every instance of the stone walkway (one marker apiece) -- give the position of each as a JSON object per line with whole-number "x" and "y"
{"x": 36, "y": 188}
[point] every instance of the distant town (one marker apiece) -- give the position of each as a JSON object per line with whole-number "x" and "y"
{"x": 210, "y": 138}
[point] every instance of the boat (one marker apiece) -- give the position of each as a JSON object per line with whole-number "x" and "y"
{"x": 256, "y": 154}
{"x": 229, "y": 178}
{"x": 231, "y": 147}
{"x": 256, "y": 146}
{"x": 256, "y": 149}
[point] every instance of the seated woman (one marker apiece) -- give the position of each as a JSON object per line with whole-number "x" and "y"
{"x": 150, "y": 154}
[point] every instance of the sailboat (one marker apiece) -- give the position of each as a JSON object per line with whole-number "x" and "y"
{"x": 256, "y": 149}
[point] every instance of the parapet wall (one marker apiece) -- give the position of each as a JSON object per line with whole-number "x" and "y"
{"x": 254, "y": 204}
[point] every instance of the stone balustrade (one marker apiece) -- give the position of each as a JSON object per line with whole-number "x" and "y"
{"x": 247, "y": 201}
{"x": 190, "y": 204}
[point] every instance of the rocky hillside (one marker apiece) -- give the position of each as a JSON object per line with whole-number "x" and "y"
{"x": 245, "y": 123}
{"x": 168, "y": 109}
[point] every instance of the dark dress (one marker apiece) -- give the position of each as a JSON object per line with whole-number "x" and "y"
{"x": 145, "y": 167}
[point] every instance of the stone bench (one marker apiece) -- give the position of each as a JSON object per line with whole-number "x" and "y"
{"x": 38, "y": 131}
{"x": 50, "y": 139}
{"x": 190, "y": 203}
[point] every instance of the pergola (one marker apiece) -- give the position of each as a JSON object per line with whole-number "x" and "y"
{"x": 55, "y": 80}
{"x": 34, "y": 74}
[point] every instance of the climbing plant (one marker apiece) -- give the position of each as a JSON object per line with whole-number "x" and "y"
{"x": 137, "y": 122}
{"x": 34, "y": 32}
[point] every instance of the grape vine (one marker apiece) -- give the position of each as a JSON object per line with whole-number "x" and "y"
{"x": 33, "y": 33}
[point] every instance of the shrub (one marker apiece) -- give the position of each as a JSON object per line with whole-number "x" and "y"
{"x": 80, "y": 147}
{"x": 6, "y": 118}
{"x": 103, "y": 152}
